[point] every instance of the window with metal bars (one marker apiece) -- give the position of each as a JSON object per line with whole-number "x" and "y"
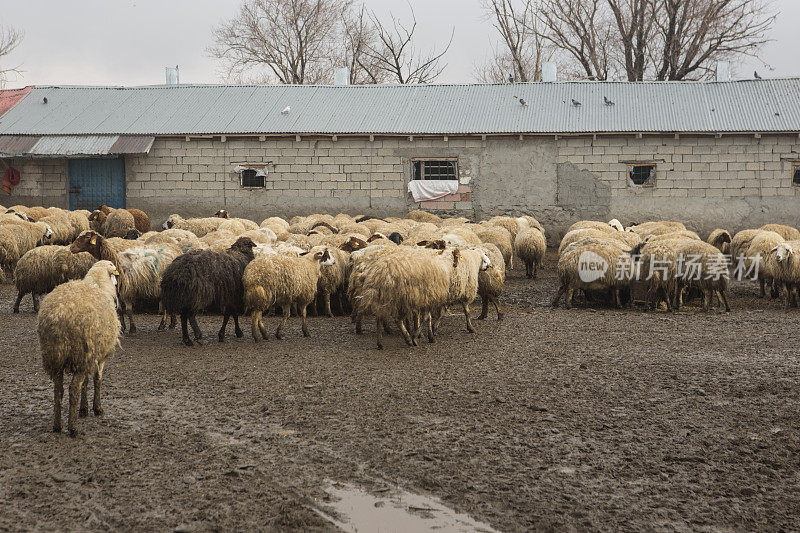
{"x": 643, "y": 175}
{"x": 434, "y": 169}
{"x": 796, "y": 173}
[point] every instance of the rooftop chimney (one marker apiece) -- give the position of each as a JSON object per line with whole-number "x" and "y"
{"x": 723, "y": 71}
{"x": 549, "y": 71}
{"x": 172, "y": 75}
{"x": 341, "y": 76}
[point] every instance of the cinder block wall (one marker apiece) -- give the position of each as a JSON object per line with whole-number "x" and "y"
{"x": 43, "y": 182}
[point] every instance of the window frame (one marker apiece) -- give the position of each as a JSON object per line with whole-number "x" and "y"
{"x": 633, "y": 164}
{"x": 252, "y": 166}
{"x": 795, "y": 170}
{"x": 423, "y": 160}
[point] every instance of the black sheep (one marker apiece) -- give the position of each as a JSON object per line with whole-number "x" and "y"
{"x": 202, "y": 279}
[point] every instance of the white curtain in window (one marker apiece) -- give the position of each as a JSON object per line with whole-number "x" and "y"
{"x": 422, "y": 190}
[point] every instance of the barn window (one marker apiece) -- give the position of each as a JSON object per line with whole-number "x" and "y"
{"x": 796, "y": 173}
{"x": 642, "y": 175}
{"x": 434, "y": 169}
{"x": 252, "y": 176}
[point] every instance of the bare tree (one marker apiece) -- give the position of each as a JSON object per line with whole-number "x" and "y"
{"x": 289, "y": 41}
{"x": 10, "y": 38}
{"x": 394, "y": 52}
{"x": 583, "y": 30}
{"x": 695, "y": 33}
{"x": 654, "y": 39}
{"x": 360, "y": 36}
{"x": 523, "y": 47}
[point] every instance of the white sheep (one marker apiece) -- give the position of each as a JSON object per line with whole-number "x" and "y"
{"x": 78, "y": 330}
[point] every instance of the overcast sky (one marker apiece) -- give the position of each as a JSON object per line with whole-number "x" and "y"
{"x": 129, "y": 42}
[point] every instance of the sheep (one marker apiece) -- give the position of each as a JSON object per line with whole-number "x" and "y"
{"x": 721, "y": 239}
{"x": 418, "y": 216}
{"x": 709, "y": 273}
{"x": 63, "y": 230}
{"x": 741, "y": 242}
{"x": 622, "y": 238}
{"x": 276, "y": 224}
{"x": 787, "y": 232}
{"x": 78, "y": 330}
{"x": 401, "y": 284}
{"x": 118, "y": 220}
{"x": 279, "y": 280}
{"x": 199, "y": 226}
{"x": 509, "y": 223}
{"x": 614, "y": 267}
{"x": 759, "y": 249}
{"x": 646, "y": 229}
{"x": 490, "y": 281}
{"x": 197, "y": 280}
{"x": 592, "y": 224}
{"x": 42, "y": 269}
{"x": 467, "y": 266}
{"x": 785, "y": 258}
{"x": 140, "y": 218}
{"x": 530, "y": 246}
{"x": 17, "y": 239}
{"x": 33, "y": 213}
{"x": 141, "y": 270}
{"x": 332, "y": 277}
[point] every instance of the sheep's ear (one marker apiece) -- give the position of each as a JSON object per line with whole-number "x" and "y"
{"x": 94, "y": 240}
{"x": 304, "y": 253}
{"x": 319, "y": 255}
{"x": 456, "y": 257}
{"x": 773, "y": 250}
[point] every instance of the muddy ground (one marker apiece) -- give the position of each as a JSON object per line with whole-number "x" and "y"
{"x": 551, "y": 419}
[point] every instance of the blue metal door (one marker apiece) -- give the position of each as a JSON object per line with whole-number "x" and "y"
{"x": 94, "y": 182}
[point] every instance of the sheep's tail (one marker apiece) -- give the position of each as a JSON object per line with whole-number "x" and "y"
{"x": 256, "y": 298}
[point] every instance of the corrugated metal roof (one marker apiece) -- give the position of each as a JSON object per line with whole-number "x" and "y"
{"x": 742, "y": 106}
{"x": 73, "y": 145}
{"x": 9, "y": 98}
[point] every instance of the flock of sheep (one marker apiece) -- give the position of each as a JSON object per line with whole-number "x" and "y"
{"x": 99, "y": 267}
{"x": 670, "y": 262}
{"x": 401, "y": 272}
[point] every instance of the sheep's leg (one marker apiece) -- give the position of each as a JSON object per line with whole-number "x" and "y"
{"x": 97, "y": 407}
{"x": 496, "y": 302}
{"x": 172, "y": 321}
{"x": 236, "y": 329}
{"x": 724, "y": 298}
{"x": 535, "y": 269}
{"x": 706, "y": 300}
{"x": 484, "y": 307}
{"x": 18, "y": 301}
{"x": 529, "y": 269}
{"x": 304, "y": 326}
{"x": 198, "y": 335}
{"x": 74, "y": 393}
{"x": 255, "y": 323}
{"x": 617, "y": 301}
{"x": 402, "y": 327}
{"x": 465, "y": 306}
{"x": 262, "y": 328}
{"x": 429, "y": 324}
{"x": 326, "y": 302}
{"x": 436, "y": 317}
{"x": 379, "y": 331}
{"x": 121, "y": 312}
{"x": 83, "y": 411}
{"x": 132, "y": 328}
{"x": 185, "y": 329}
{"x": 221, "y": 334}
{"x": 58, "y": 394}
{"x": 794, "y": 295}
{"x": 561, "y": 290}
{"x": 761, "y": 283}
{"x": 287, "y": 309}
{"x": 358, "y": 319}
{"x": 568, "y": 298}
{"x": 163, "y": 312}
{"x": 314, "y": 306}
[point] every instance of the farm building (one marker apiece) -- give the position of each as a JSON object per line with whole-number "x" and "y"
{"x": 711, "y": 154}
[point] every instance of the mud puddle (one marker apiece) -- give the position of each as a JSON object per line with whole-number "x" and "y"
{"x": 392, "y": 509}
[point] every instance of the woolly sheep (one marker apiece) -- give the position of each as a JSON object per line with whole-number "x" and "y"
{"x": 759, "y": 249}
{"x": 592, "y": 224}
{"x": 42, "y": 269}
{"x": 332, "y": 277}
{"x": 402, "y": 284}
{"x": 141, "y": 271}
{"x": 785, "y": 258}
{"x": 711, "y": 274}
{"x": 284, "y": 281}
{"x": 78, "y": 330}
{"x": 423, "y": 216}
{"x": 741, "y": 242}
{"x": 491, "y": 280}
{"x": 787, "y": 232}
{"x": 530, "y": 246}
{"x": 468, "y": 263}
{"x": 198, "y": 280}
{"x": 721, "y": 239}
{"x": 199, "y": 226}
{"x": 617, "y": 275}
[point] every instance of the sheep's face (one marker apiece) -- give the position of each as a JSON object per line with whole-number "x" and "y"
{"x": 616, "y": 224}
{"x": 325, "y": 258}
{"x": 782, "y": 252}
{"x": 86, "y": 242}
{"x": 222, "y": 214}
{"x": 48, "y": 233}
{"x": 486, "y": 263}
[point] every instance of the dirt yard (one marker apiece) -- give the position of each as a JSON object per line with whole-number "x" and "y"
{"x": 588, "y": 419}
